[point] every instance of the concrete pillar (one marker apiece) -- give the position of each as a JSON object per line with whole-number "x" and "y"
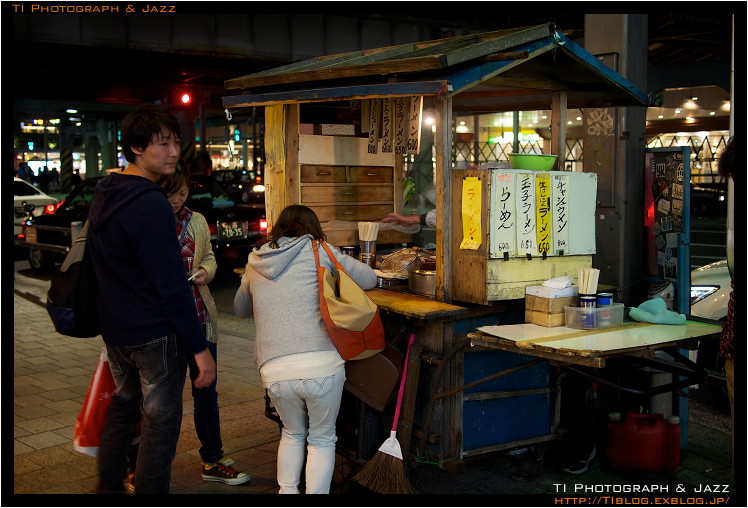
{"x": 107, "y": 135}
{"x": 614, "y": 144}
{"x": 66, "y": 134}
{"x": 92, "y": 155}
{"x": 186, "y": 119}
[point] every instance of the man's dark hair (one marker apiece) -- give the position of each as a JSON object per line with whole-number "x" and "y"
{"x": 294, "y": 221}
{"x": 139, "y": 127}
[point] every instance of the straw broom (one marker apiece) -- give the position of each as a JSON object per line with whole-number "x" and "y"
{"x": 385, "y": 472}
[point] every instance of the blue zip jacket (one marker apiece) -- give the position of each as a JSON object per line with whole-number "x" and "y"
{"x": 143, "y": 284}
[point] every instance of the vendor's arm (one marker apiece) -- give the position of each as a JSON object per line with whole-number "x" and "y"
{"x": 424, "y": 219}
{"x": 428, "y": 219}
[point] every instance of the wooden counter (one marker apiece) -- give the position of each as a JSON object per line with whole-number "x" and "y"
{"x": 590, "y": 347}
{"x": 413, "y": 306}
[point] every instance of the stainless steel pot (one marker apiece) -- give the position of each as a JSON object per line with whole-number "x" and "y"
{"x": 422, "y": 282}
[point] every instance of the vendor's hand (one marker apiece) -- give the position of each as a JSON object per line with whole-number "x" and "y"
{"x": 200, "y": 276}
{"x": 402, "y": 220}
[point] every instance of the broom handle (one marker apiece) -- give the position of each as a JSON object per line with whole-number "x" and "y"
{"x": 401, "y": 391}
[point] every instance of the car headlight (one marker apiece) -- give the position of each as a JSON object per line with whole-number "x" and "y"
{"x": 698, "y": 293}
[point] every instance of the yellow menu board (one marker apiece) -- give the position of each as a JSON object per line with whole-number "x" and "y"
{"x": 471, "y": 213}
{"x": 543, "y": 212}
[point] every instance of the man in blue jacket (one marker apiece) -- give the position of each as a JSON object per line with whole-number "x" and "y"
{"x": 148, "y": 319}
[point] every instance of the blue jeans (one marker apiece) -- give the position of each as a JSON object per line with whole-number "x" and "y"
{"x": 149, "y": 380}
{"x": 207, "y": 421}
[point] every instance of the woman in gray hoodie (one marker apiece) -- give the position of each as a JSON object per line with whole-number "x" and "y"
{"x": 300, "y": 368}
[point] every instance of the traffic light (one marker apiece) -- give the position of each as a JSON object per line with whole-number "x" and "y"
{"x": 237, "y": 135}
{"x": 183, "y": 98}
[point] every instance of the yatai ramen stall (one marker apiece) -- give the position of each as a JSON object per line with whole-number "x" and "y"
{"x": 337, "y": 130}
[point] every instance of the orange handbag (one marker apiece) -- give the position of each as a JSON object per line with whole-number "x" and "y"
{"x": 350, "y": 317}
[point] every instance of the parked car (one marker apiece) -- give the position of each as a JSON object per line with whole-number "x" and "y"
{"x": 710, "y": 290}
{"x": 708, "y": 200}
{"x": 28, "y": 201}
{"x": 710, "y": 293}
{"x": 241, "y": 186}
{"x": 234, "y": 228}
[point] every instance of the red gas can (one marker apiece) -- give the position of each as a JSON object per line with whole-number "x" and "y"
{"x": 671, "y": 449}
{"x": 641, "y": 442}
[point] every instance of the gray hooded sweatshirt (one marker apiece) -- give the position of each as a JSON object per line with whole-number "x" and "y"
{"x": 280, "y": 286}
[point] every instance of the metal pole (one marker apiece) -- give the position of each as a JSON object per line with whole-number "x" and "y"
{"x": 46, "y": 144}
{"x": 730, "y": 182}
{"x": 476, "y": 143}
{"x": 201, "y": 114}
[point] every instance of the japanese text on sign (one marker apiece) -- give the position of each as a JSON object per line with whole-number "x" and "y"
{"x": 503, "y": 233}
{"x": 543, "y": 211}
{"x": 560, "y": 214}
{"x": 471, "y": 213}
{"x": 526, "y": 214}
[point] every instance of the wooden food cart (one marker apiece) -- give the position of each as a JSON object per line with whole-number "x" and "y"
{"x": 381, "y": 96}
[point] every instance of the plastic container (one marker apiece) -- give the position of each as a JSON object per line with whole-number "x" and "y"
{"x": 594, "y": 317}
{"x": 641, "y": 442}
{"x": 531, "y": 161}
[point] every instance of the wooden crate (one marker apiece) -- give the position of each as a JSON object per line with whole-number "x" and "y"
{"x": 547, "y": 311}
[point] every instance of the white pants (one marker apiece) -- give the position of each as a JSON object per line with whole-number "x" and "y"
{"x": 308, "y": 409}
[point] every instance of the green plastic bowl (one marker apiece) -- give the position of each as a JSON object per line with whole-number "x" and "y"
{"x": 532, "y": 161}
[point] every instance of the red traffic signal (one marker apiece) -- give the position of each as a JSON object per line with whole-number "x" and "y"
{"x": 185, "y": 98}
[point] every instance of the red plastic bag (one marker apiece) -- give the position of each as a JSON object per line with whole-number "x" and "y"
{"x": 90, "y": 421}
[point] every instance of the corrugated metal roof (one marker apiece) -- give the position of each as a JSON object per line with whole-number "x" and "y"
{"x": 505, "y": 70}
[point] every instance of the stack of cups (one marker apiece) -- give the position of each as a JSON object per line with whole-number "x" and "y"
{"x": 367, "y": 235}
{"x": 368, "y": 252}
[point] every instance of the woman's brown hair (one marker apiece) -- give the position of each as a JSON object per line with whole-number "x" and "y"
{"x": 294, "y": 221}
{"x": 173, "y": 182}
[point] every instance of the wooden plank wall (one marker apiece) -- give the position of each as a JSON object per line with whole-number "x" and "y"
{"x": 469, "y": 273}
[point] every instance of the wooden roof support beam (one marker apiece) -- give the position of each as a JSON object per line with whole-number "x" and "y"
{"x": 558, "y": 128}
{"x": 443, "y": 181}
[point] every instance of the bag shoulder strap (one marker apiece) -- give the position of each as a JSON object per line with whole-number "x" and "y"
{"x": 77, "y": 250}
{"x": 332, "y": 257}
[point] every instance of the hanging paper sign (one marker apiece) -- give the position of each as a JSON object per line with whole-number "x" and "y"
{"x": 414, "y": 123}
{"x": 401, "y": 124}
{"x": 387, "y": 124}
{"x": 525, "y": 202}
{"x": 543, "y": 212}
{"x": 471, "y": 213}
{"x": 376, "y": 107}
{"x": 503, "y": 232}
{"x": 560, "y": 198}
